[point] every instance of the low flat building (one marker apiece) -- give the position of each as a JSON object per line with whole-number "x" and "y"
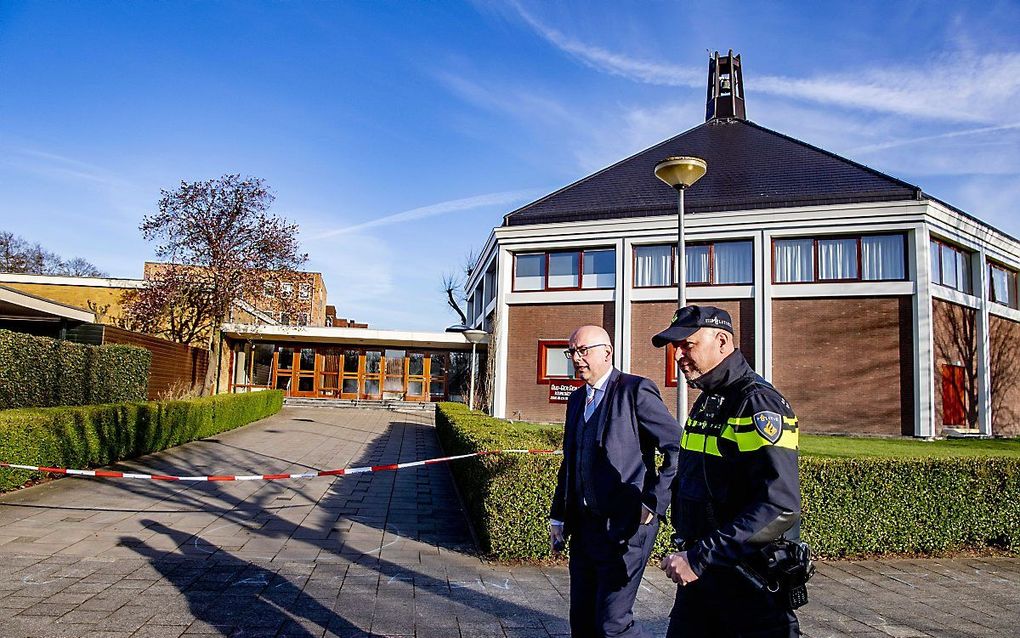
{"x": 348, "y": 363}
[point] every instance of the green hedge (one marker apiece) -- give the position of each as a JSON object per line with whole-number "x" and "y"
{"x": 39, "y": 372}
{"x": 852, "y": 507}
{"x": 97, "y": 435}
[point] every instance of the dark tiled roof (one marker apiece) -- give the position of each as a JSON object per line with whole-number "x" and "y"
{"x": 749, "y": 166}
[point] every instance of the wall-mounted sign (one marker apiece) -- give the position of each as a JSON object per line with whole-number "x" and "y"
{"x": 559, "y": 391}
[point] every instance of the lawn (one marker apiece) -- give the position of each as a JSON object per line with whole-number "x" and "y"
{"x": 833, "y": 446}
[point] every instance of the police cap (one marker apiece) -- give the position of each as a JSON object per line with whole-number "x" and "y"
{"x": 689, "y": 320}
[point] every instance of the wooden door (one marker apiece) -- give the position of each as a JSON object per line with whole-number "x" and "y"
{"x": 417, "y": 377}
{"x": 283, "y": 370}
{"x": 954, "y": 393}
{"x": 304, "y": 373}
{"x": 350, "y": 382}
{"x": 328, "y": 368}
{"x": 371, "y": 374}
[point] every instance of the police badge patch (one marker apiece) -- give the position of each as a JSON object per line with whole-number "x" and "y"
{"x": 769, "y": 425}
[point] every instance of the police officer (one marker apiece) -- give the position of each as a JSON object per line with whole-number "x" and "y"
{"x": 736, "y": 492}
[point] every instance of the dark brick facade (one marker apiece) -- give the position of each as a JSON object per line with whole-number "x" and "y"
{"x": 846, "y": 364}
{"x": 954, "y": 329}
{"x": 1004, "y": 339}
{"x": 651, "y": 317}
{"x": 525, "y": 397}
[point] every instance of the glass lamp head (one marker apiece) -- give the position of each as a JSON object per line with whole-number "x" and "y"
{"x": 681, "y": 172}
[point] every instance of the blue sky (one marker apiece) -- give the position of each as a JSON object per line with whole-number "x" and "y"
{"x": 397, "y": 134}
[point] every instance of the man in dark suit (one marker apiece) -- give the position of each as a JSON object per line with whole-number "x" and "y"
{"x": 609, "y": 494}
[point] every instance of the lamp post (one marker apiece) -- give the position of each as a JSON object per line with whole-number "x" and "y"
{"x": 680, "y": 172}
{"x": 474, "y": 336}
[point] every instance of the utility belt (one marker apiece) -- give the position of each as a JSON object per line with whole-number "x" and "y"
{"x": 787, "y": 569}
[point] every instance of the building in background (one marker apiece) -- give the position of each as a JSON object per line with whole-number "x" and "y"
{"x": 873, "y": 306}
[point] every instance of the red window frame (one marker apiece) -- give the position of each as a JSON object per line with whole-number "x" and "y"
{"x": 544, "y": 345}
{"x": 673, "y": 264}
{"x": 1010, "y": 275}
{"x": 580, "y": 268}
{"x": 672, "y": 373}
{"x": 968, "y": 288}
{"x": 545, "y": 278}
{"x": 814, "y": 259}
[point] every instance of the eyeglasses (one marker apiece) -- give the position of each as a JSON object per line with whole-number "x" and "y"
{"x": 581, "y": 350}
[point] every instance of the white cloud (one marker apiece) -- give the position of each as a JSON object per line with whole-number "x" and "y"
{"x": 870, "y": 148}
{"x": 947, "y": 88}
{"x": 614, "y": 63}
{"x": 454, "y": 205}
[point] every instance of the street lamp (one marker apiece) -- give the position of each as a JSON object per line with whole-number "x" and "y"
{"x": 679, "y": 172}
{"x": 474, "y": 336}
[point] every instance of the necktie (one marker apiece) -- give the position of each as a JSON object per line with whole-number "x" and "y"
{"x": 589, "y": 404}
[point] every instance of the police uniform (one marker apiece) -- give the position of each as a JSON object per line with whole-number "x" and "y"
{"x": 736, "y": 489}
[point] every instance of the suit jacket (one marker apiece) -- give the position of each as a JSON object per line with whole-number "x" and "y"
{"x": 633, "y": 423}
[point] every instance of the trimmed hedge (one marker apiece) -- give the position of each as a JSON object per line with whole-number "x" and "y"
{"x": 97, "y": 435}
{"x": 851, "y": 507}
{"x": 39, "y": 371}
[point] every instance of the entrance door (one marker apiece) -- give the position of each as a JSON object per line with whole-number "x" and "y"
{"x": 395, "y": 383}
{"x": 304, "y": 373}
{"x": 350, "y": 386}
{"x": 438, "y": 364}
{"x": 371, "y": 378}
{"x": 285, "y": 370}
{"x": 417, "y": 377}
{"x": 330, "y": 360}
{"x": 954, "y": 392}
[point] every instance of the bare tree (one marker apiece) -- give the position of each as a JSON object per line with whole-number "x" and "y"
{"x": 19, "y": 256}
{"x": 454, "y": 285}
{"x": 221, "y": 243}
{"x": 78, "y": 267}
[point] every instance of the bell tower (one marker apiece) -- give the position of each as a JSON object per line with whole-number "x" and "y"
{"x": 725, "y": 88}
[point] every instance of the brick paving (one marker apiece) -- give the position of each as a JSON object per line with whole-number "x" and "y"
{"x": 385, "y": 554}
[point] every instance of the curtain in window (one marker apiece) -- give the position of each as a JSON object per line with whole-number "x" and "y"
{"x": 1000, "y": 285}
{"x": 837, "y": 259}
{"x": 652, "y": 265}
{"x": 950, "y": 277}
{"x": 530, "y": 272}
{"x": 697, "y": 265}
{"x": 882, "y": 257}
{"x": 963, "y": 278}
{"x": 563, "y": 270}
{"x": 793, "y": 260}
{"x": 936, "y": 262}
{"x": 599, "y": 269}
{"x": 734, "y": 262}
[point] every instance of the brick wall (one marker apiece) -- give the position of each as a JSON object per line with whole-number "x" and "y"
{"x": 846, "y": 364}
{"x": 1004, "y": 340}
{"x": 954, "y": 332}
{"x": 651, "y": 317}
{"x": 172, "y": 363}
{"x": 528, "y": 324}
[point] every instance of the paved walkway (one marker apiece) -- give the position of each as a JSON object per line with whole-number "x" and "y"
{"x": 384, "y": 554}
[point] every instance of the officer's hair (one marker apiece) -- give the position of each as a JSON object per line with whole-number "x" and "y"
{"x": 714, "y": 332}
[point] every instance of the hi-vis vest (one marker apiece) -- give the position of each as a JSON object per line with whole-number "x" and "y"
{"x": 750, "y": 415}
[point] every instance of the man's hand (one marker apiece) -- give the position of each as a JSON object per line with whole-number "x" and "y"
{"x": 556, "y": 539}
{"x": 678, "y": 569}
{"x": 647, "y": 515}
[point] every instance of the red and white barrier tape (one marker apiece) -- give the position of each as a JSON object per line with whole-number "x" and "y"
{"x": 266, "y": 477}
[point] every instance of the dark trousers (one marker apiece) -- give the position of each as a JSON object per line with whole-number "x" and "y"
{"x": 604, "y": 579}
{"x": 723, "y": 604}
